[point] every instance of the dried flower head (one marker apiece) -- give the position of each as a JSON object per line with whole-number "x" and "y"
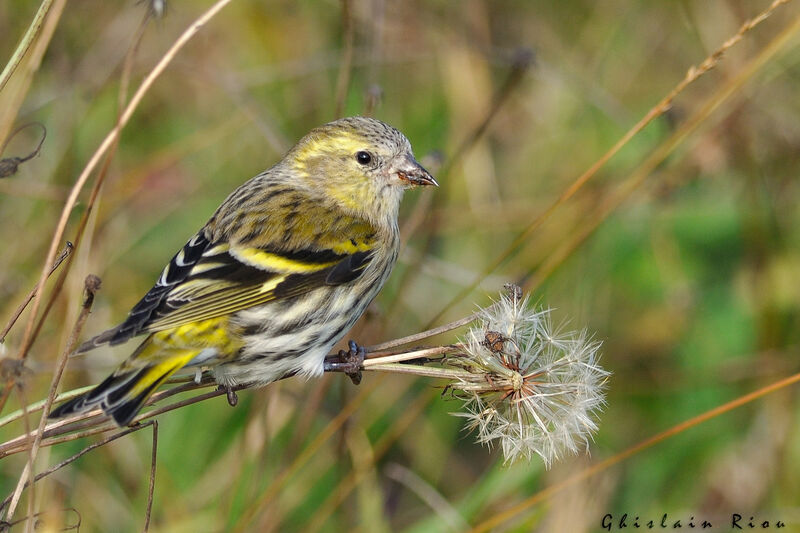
{"x": 532, "y": 388}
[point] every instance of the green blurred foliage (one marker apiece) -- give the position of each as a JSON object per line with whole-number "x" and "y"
{"x": 691, "y": 284}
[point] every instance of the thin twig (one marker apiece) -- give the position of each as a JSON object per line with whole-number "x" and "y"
{"x": 406, "y": 356}
{"x": 656, "y": 111}
{"x": 68, "y": 247}
{"x": 27, "y": 424}
{"x": 423, "y": 334}
{"x": 95, "y": 418}
{"x": 92, "y": 284}
{"x": 8, "y": 526}
{"x": 420, "y": 370}
{"x": 65, "y": 255}
{"x": 152, "y": 486}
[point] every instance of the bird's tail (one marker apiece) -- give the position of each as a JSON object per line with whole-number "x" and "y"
{"x": 124, "y": 392}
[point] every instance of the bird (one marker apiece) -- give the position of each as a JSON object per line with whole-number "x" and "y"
{"x": 276, "y": 277}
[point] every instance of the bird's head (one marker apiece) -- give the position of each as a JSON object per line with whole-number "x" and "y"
{"x": 361, "y": 163}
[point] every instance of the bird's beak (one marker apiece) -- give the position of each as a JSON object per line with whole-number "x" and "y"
{"x": 413, "y": 174}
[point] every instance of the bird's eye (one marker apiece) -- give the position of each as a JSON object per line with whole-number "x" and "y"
{"x": 363, "y": 158}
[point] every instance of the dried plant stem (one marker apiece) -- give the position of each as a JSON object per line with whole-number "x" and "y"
{"x": 406, "y": 356}
{"x": 65, "y": 253}
{"x": 423, "y": 334}
{"x": 26, "y": 42}
{"x": 92, "y": 284}
{"x": 420, "y": 370}
{"x": 95, "y": 422}
{"x": 656, "y": 111}
{"x": 152, "y": 487}
{"x": 27, "y": 424}
{"x": 503, "y": 517}
{"x": 101, "y": 150}
{"x": 667, "y": 147}
{"x": 68, "y": 247}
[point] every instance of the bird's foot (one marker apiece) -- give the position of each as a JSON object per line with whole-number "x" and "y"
{"x": 350, "y": 362}
{"x": 233, "y": 399}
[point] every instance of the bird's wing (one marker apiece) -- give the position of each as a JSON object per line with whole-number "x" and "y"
{"x": 206, "y": 280}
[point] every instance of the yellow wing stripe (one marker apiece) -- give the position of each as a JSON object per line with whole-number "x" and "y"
{"x": 276, "y": 263}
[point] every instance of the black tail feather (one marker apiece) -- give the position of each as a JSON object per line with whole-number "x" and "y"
{"x": 112, "y": 396}
{"x": 123, "y": 412}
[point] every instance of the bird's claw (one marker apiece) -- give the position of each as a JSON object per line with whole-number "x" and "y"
{"x": 233, "y": 399}
{"x": 350, "y": 362}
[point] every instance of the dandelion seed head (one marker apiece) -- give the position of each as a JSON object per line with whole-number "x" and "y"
{"x": 530, "y": 387}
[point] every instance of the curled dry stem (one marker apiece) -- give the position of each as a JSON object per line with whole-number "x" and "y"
{"x": 10, "y": 165}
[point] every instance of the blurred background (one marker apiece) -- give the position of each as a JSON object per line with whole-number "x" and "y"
{"x": 691, "y": 282}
